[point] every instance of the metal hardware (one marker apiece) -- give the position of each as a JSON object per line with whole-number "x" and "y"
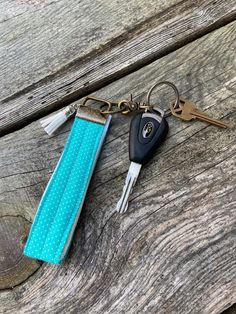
{"x": 90, "y": 114}
{"x": 188, "y": 111}
{"x": 100, "y": 100}
{"x": 177, "y": 96}
{"x": 126, "y": 106}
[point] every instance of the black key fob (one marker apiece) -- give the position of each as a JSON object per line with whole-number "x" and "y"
{"x": 147, "y": 131}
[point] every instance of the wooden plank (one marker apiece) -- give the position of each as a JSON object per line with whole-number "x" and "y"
{"x": 15, "y": 267}
{"x": 47, "y": 87}
{"x": 174, "y": 251}
{"x": 39, "y": 37}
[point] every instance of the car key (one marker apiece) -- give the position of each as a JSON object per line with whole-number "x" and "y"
{"x": 147, "y": 131}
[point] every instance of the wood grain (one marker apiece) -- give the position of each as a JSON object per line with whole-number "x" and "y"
{"x": 39, "y": 37}
{"x": 14, "y": 266}
{"x": 58, "y": 78}
{"x": 174, "y": 251}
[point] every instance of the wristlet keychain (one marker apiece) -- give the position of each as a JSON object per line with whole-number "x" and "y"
{"x": 61, "y": 204}
{"x": 62, "y": 201}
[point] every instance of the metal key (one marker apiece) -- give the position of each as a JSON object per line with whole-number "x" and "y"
{"x": 187, "y": 111}
{"x": 147, "y": 131}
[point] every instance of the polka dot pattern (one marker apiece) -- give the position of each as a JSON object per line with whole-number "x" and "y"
{"x": 64, "y": 193}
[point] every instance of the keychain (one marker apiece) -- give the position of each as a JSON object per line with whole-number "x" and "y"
{"x": 63, "y": 198}
{"x": 147, "y": 132}
{"x": 61, "y": 204}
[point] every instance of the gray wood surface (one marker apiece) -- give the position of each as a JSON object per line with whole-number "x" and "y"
{"x": 15, "y": 267}
{"x": 82, "y": 48}
{"x": 39, "y": 37}
{"x": 174, "y": 251}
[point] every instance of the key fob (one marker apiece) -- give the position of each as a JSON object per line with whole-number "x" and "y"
{"x": 147, "y": 131}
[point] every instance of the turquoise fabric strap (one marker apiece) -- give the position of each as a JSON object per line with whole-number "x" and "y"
{"x": 62, "y": 201}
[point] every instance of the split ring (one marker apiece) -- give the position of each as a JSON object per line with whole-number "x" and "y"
{"x": 177, "y": 96}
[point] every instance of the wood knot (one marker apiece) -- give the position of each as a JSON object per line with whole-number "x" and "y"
{"x": 14, "y": 266}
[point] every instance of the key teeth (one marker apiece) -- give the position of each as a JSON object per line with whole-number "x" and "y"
{"x": 131, "y": 178}
{"x": 124, "y": 208}
{"x": 120, "y": 209}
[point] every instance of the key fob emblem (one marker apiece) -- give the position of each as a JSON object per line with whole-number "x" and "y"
{"x": 147, "y": 129}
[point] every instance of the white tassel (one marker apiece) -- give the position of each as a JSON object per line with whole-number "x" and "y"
{"x": 52, "y": 123}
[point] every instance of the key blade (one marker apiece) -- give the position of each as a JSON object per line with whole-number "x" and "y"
{"x": 188, "y": 111}
{"x": 204, "y": 117}
{"x": 130, "y": 181}
{"x": 122, "y": 204}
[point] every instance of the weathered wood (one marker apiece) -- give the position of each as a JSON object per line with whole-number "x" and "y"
{"x": 150, "y": 31}
{"x": 14, "y": 266}
{"x": 38, "y": 37}
{"x": 174, "y": 251}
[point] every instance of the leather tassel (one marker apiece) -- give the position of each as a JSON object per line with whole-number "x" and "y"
{"x": 51, "y": 124}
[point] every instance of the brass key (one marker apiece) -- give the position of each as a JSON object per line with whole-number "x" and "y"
{"x": 187, "y": 111}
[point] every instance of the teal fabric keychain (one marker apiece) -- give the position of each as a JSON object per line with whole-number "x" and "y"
{"x": 61, "y": 204}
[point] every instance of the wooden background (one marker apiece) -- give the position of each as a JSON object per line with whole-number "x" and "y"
{"x": 174, "y": 251}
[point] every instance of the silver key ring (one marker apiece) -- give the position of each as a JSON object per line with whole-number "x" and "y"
{"x": 177, "y": 97}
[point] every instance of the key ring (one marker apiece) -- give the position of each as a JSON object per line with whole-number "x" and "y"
{"x": 177, "y": 97}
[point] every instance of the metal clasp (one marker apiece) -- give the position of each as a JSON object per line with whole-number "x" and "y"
{"x": 126, "y": 106}
{"x": 100, "y": 100}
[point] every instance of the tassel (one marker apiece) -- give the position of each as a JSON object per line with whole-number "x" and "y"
{"x": 52, "y": 123}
